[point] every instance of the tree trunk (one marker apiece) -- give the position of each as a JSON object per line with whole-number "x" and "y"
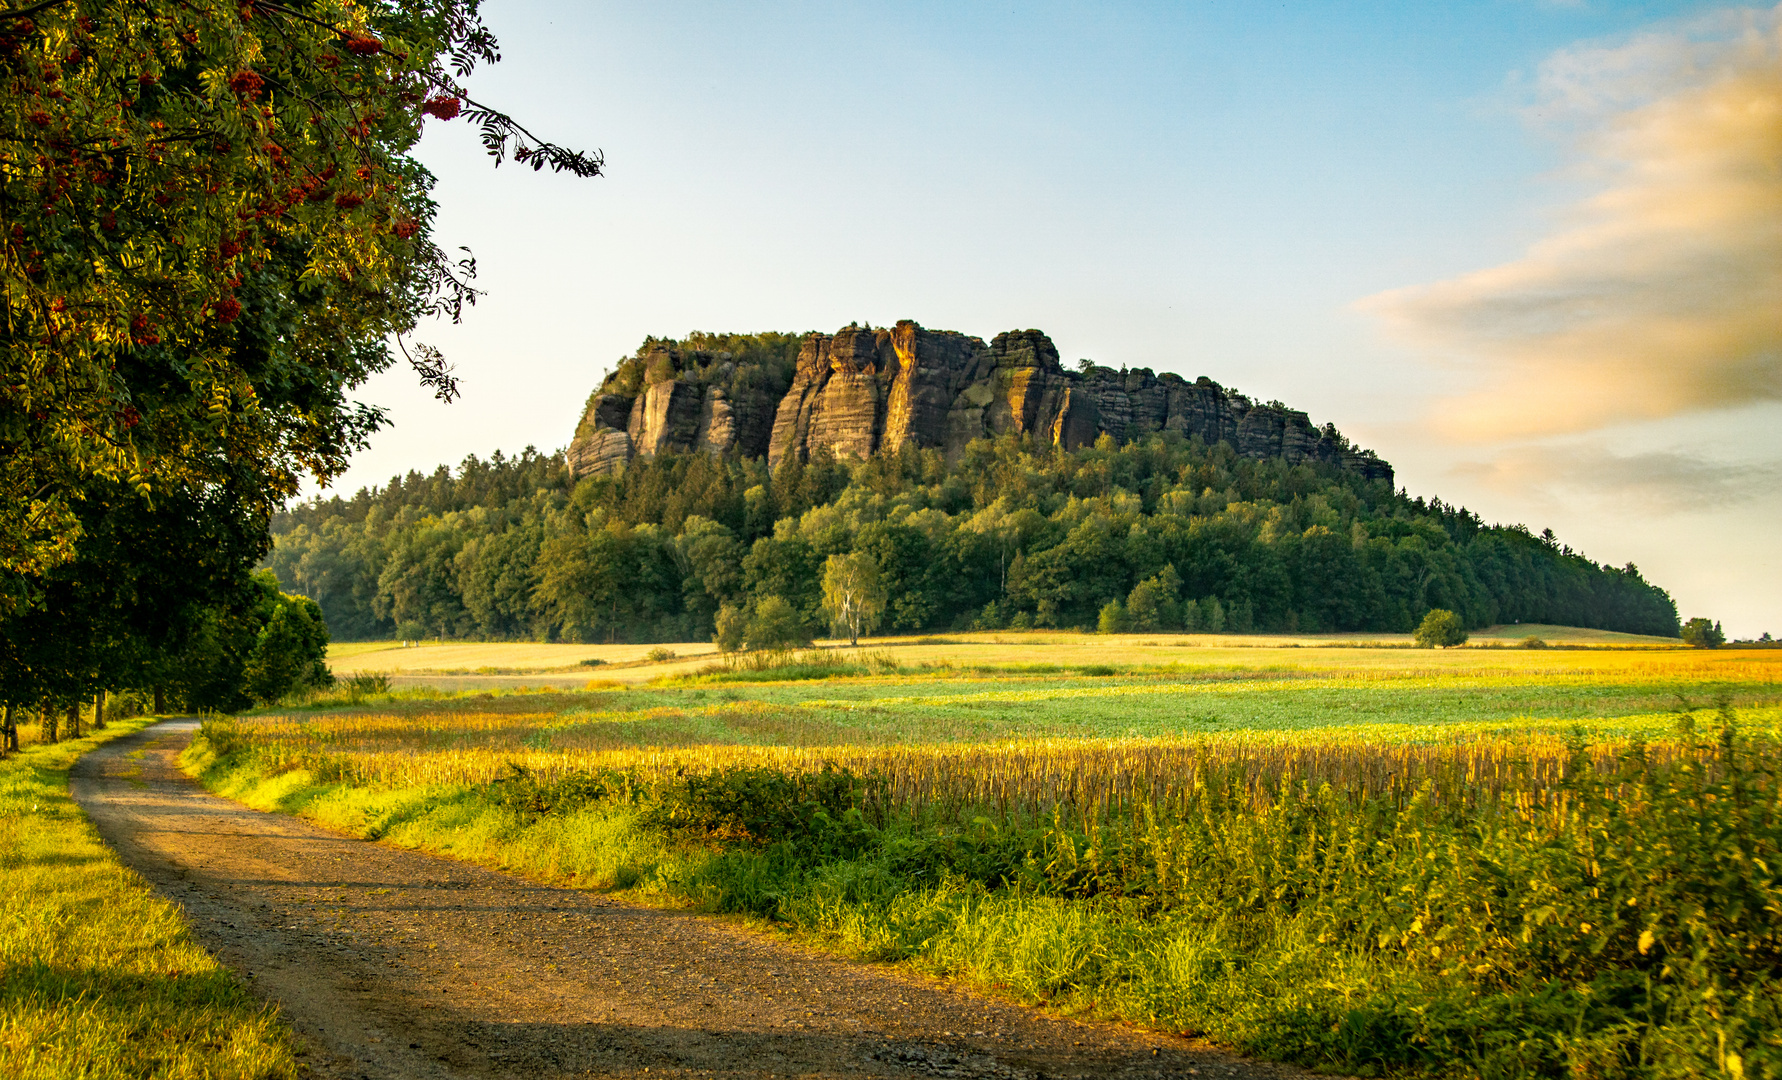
{"x": 9, "y": 739}
{"x": 99, "y": 709}
{"x": 160, "y": 701}
{"x": 74, "y": 720}
{"x": 50, "y": 720}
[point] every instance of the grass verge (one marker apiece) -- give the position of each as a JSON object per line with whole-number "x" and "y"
{"x": 99, "y": 977}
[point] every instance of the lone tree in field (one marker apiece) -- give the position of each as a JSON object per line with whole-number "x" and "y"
{"x": 1440, "y": 629}
{"x": 853, "y": 598}
{"x": 1703, "y": 634}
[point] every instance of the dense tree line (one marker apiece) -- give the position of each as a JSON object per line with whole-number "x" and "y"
{"x": 1180, "y": 535}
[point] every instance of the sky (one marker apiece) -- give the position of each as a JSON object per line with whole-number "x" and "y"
{"x": 1529, "y": 251}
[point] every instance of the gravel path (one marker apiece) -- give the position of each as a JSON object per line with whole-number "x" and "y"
{"x": 393, "y": 963}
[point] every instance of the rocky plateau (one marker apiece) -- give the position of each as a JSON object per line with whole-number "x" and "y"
{"x": 862, "y": 390}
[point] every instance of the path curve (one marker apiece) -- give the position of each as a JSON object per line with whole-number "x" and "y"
{"x": 394, "y": 963}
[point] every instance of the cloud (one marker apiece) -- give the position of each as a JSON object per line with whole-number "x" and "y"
{"x": 1662, "y": 292}
{"x": 1651, "y": 482}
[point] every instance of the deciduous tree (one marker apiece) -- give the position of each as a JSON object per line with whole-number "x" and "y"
{"x": 852, "y": 596}
{"x": 1440, "y": 629}
{"x": 1703, "y": 633}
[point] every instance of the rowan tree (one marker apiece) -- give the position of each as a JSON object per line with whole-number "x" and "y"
{"x": 210, "y": 227}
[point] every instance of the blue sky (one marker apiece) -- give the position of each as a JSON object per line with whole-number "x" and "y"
{"x": 1438, "y": 225}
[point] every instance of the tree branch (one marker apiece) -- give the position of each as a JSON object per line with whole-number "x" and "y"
{"x": 25, "y": 13}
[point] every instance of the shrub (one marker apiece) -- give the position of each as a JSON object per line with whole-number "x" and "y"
{"x": 1533, "y": 642}
{"x": 756, "y": 804}
{"x": 1440, "y": 629}
{"x": 367, "y": 683}
{"x": 776, "y": 625}
{"x": 1113, "y": 618}
{"x": 659, "y": 654}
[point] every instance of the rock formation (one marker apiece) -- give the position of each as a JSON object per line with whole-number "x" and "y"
{"x": 861, "y": 390}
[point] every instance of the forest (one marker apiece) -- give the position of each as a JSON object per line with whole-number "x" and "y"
{"x": 1180, "y": 535}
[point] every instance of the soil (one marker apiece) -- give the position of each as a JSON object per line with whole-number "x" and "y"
{"x": 395, "y": 963}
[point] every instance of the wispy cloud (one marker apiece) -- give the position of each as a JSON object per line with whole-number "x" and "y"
{"x": 1661, "y": 293}
{"x": 1652, "y": 482}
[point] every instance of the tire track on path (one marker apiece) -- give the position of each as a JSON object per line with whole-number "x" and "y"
{"x": 395, "y": 963}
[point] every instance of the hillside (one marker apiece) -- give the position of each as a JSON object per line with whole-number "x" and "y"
{"x": 1018, "y": 530}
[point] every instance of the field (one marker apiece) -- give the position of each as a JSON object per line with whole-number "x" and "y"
{"x": 472, "y": 665}
{"x": 98, "y": 976}
{"x": 1485, "y": 861}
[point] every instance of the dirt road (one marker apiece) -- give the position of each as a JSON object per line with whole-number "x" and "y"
{"x": 392, "y": 963}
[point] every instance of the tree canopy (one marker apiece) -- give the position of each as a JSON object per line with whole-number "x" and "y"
{"x": 1181, "y": 535}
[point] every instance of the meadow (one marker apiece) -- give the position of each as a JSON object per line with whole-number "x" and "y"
{"x": 1488, "y": 862}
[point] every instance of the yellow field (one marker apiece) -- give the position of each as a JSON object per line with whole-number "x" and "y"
{"x": 466, "y": 665}
{"x": 502, "y": 657}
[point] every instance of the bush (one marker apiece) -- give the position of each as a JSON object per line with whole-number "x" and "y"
{"x": 1113, "y": 618}
{"x": 757, "y": 805}
{"x": 776, "y": 626}
{"x": 1532, "y": 642}
{"x": 1440, "y": 629}
{"x": 659, "y": 654}
{"x": 366, "y": 684}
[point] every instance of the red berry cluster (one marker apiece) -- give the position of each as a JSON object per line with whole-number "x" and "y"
{"x": 443, "y": 107}
{"x": 247, "y": 84}
{"x": 362, "y": 44}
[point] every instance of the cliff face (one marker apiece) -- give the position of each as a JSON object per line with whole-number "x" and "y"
{"x": 670, "y": 398}
{"x": 862, "y": 390}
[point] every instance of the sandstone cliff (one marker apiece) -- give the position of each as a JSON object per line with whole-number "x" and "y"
{"x": 862, "y": 390}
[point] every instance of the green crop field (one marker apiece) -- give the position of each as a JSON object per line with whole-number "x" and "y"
{"x": 1481, "y": 861}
